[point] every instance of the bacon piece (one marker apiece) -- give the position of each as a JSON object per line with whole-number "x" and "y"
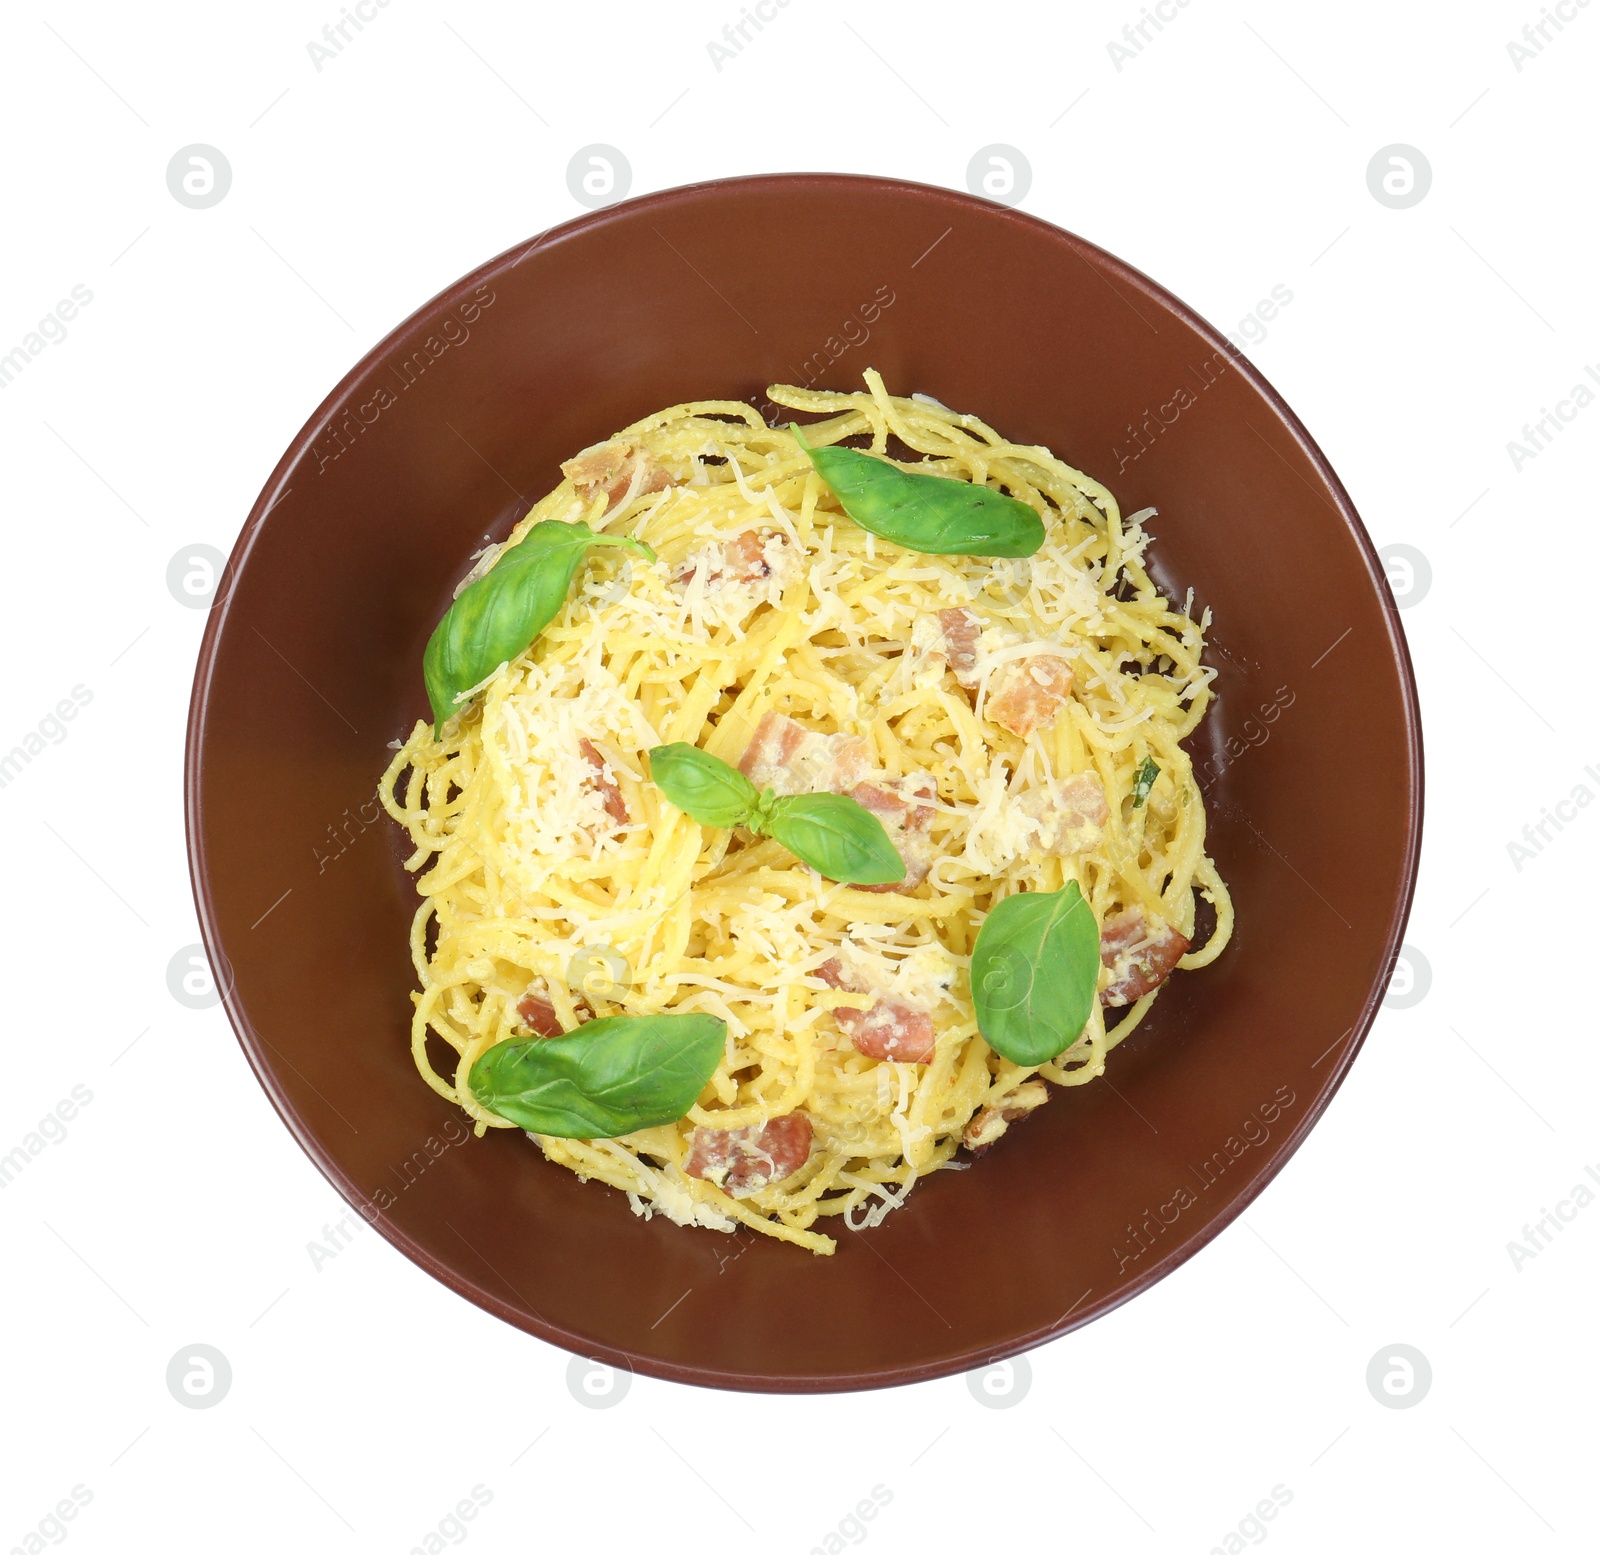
{"x": 891, "y": 1030}
{"x": 741, "y": 1160}
{"x": 1027, "y": 694}
{"x": 987, "y": 1124}
{"x": 1070, "y": 812}
{"x": 610, "y": 794}
{"x": 1024, "y": 694}
{"x": 539, "y": 1014}
{"x": 744, "y": 559}
{"x": 906, "y": 822}
{"x": 1140, "y": 953}
{"x": 962, "y": 628}
{"x": 745, "y": 556}
{"x": 791, "y": 759}
{"x": 611, "y": 467}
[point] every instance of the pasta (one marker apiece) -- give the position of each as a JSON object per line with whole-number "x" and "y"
{"x": 1024, "y": 716}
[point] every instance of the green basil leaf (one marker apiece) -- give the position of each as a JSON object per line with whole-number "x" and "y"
{"x": 1144, "y": 780}
{"x": 934, "y": 514}
{"x": 831, "y": 832}
{"x": 705, "y": 788}
{"x": 1035, "y": 968}
{"x": 837, "y": 837}
{"x": 494, "y": 618}
{"x": 607, "y": 1078}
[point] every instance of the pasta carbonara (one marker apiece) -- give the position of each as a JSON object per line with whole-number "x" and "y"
{"x": 1015, "y": 725}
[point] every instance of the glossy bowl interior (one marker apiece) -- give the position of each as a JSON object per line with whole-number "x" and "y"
{"x": 449, "y": 430}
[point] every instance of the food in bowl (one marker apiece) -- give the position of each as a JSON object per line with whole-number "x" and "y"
{"x": 800, "y": 806}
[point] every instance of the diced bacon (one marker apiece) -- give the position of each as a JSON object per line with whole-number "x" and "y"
{"x": 1023, "y": 694}
{"x": 961, "y": 630}
{"x": 906, "y": 810}
{"x": 771, "y": 749}
{"x": 906, "y": 820}
{"x": 1070, "y": 812}
{"x": 987, "y": 1124}
{"x": 744, "y": 558}
{"x": 789, "y": 758}
{"x": 1083, "y": 798}
{"x": 1027, "y": 694}
{"x": 605, "y": 783}
{"x": 833, "y": 974}
{"x": 539, "y": 1014}
{"x": 741, "y": 1160}
{"x": 611, "y": 468}
{"x": 1140, "y": 953}
{"x": 891, "y": 1030}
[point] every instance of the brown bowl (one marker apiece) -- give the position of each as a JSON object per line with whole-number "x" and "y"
{"x": 447, "y": 432}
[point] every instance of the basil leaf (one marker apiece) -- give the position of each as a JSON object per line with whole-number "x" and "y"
{"x": 607, "y": 1078}
{"x": 831, "y": 832}
{"x": 1144, "y": 780}
{"x": 702, "y": 786}
{"x": 837, "y": 837}
{"x": 494, "y": 618}
{"x": 933, "y": 514}
{"x": 1035, "y": 968}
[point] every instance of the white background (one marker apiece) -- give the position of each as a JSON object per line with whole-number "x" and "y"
{"x": 1227, "y": 156}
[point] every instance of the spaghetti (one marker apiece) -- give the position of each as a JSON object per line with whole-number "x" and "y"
{"x": 1024, "y": 715}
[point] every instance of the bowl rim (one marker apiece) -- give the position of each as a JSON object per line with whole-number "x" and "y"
{"x": 254, "y": 1046}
